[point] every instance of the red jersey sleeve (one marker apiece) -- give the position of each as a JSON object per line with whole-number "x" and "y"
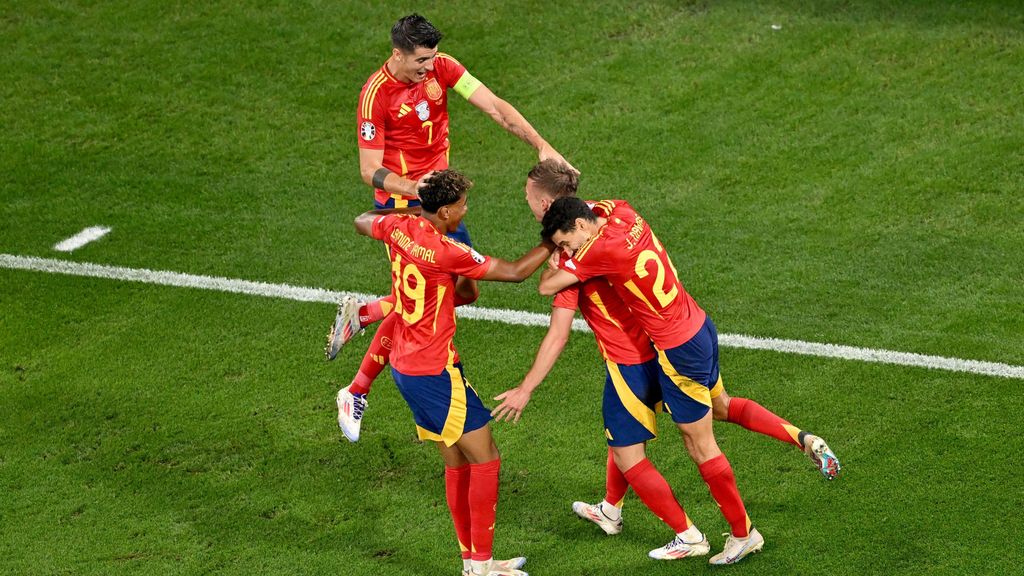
{"x": 568, "y": 298}
{"x": 448, "y": 70}
{"x": 457, "y": 258}
{"x": 382, "y": 225}
{"x": 370, "y": 114}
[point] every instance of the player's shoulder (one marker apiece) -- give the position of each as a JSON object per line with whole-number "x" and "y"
{"x": 377, "y": 81}
{"x": 460, "y": 249}
{"x": 448, "y": 58}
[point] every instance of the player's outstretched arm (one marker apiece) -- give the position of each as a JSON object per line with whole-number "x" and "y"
{"x": 513, "y": 121}
{"x": 504, "y": 271}
{"x": 514, "y": 400}
{"x": 554, "y": 281}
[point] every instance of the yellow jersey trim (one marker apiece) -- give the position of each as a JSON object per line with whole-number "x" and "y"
{"x": 371, "y": 94}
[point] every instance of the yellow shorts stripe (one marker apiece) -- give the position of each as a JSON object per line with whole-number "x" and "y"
{"x": 456, "y": 419}
{"x": 691, "y": 388}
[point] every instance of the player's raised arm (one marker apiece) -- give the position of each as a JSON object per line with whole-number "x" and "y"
{"x": 514, "y": 400}
{"x": 513, "y": 121}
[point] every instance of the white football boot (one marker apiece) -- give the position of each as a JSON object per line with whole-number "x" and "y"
{"x": 346, "y": 326}
{"x": 350, "y": 412}
{"x": 737, "y": 549}
{"x": 510, "y": 567}
{"x": 679, "y": 548}
{"x": 822, "y": 456}
{"x": 595, "y": 513}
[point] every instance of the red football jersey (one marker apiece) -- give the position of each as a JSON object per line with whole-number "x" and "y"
{"x": 409, "y": 121}
{"x": 619, "y": 337}
{"x": 424, "y": 267}
{"x": 626, "y": 253}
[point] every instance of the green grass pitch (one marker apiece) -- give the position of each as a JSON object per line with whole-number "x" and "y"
{"x": 854, "y": 176}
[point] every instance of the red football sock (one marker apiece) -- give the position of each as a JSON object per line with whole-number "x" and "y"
{"x": 753, "y": 416}
{"x": 655, "y": 492}
{"x": 483, "y": 503}
{"x": 615, "y": 482}
{"x": 456, "y": 490}
{"x": 717, "y": 473}
{"x": 376, "y": 357}
{"x": 375, "y": 311}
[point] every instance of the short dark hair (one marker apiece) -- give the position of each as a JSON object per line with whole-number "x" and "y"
{"x": 555, "y": 178}
{"x": 443, "y": 188}
{"x": 414, "y": 31}
{"x": 562, "y": 215}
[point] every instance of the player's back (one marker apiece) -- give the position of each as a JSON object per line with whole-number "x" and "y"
{"x": 424, "y": 267}
{"x": 629, "y": 255}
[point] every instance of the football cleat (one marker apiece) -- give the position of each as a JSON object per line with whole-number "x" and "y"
{"x": 350, "y": 413}
{"x": 595, "y": 513}
{"x": 510, "y": 567}
{"x": 678, "y": 548}
{"x": 346, "y": 326}
{"x": 737, "y": 549}
{"x": 822, "y": 456}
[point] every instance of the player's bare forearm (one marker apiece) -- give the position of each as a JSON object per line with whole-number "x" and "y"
{"x": 521, "y": 269}
{"x": 514, "y": 400}
{"x": 554, "y": 281}
{"x": 550, "y": 347}
{"x": 516, "y": 124}
{"x": 371, "y": 168}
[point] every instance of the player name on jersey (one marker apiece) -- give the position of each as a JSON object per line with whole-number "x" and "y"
{"x": 411, "y": 247}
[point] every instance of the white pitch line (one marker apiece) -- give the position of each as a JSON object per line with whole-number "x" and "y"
{"x": 514, "y": 317}
{"x": 81, "y": 239}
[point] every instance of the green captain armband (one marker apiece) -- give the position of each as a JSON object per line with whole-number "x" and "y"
{"x": 466, "y": 85}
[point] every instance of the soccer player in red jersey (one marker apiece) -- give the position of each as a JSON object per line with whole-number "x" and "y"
{"x": 619, "y": 246}
{"x": 427, "y": 269}
{"x": 402, "y": 127}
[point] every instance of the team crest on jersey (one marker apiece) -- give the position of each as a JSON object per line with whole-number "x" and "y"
{"x": 423, "y": 110}
{"x": 433, "y": 89}
{"x": 477, "y": 257}
{"x": 367, "y": 131}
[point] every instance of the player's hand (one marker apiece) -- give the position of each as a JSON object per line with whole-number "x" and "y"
{"x": 549, "y": 153}
{"x": 513, "y": 402}
{"x": 554, "y": 259}
{"x": 422, "y": 182}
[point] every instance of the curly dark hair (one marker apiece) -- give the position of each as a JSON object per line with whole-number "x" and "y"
{"x": 555, "y": 178}
{"x": 562, "y": 215}
{"x": 443, "y": 188}
{"x": 414, "y": 31}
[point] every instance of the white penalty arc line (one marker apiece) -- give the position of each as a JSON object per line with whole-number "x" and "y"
{"x": 514, "y": 317}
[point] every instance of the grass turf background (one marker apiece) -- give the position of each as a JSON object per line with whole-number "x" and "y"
{"x": 853, "y": 177}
